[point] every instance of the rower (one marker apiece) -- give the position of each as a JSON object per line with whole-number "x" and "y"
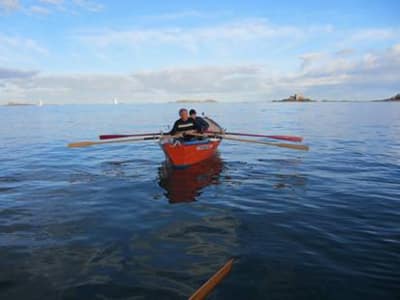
{"x": 199, "y": 123}
{"x": 183, "y": 124}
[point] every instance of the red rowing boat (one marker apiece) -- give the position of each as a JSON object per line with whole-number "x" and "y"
{"x": 184, "y": 154}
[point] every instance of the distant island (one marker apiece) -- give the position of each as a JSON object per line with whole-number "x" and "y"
{"x": 18, "y": 104}
{"x": 394, "y": 98}
{"x": 295, "y": 98}
{"x": 196, "y": 101}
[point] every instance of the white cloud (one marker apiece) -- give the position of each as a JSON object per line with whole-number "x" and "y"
{"x": 327, "y": 63}
{"x": 209, "y": 79}
{"x": 191, "y": 38}
{"x": 186, "y": 14}
{"x": 16, "y": 46}
{"x": 163, "y": 85}
{"x": 365, "y": 75}
{"x": 36, "y": 9}
{"x": 6, "y": 73}
{"x": 54, "y": 2}
{"x": 44, "y": 7}
{"x": 317, "y": 74}
{"x": 10, "y": 5}
{"x": 247, "y": 39}
{"x": 345, "y": 52}
{"x": 327, "y": 75}
{"x": 309, "y": 58}
{"x": 89, "y": 5}
{"x": 375, "y": 34}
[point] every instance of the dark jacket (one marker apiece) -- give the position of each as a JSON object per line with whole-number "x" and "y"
{"x": 200, "y": 124}
{"x": 181, "y": 125}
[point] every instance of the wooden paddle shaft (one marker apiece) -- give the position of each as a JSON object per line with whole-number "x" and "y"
{"x": 290, "y": 146}
{"x": 211, "y": 283}
{"x": 117, "y": 136}
{"x": 283, "y": 145}
{"x": 121, "y": 140}
{"x": 289, "y": 138}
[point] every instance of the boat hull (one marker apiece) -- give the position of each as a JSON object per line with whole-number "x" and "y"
{"x": 182, "y": 155}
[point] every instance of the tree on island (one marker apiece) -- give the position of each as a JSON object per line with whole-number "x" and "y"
{"x": 295, "y": 98}
{"x": 394, "y": 98}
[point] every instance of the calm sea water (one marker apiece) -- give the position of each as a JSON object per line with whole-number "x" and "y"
{"x": 114, "y": 222}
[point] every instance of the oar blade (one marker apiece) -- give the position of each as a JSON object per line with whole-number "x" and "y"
{"x": 297, "y": 139}
{"x": 110, "y": 141}
{"x": 289, "y": 138}
{"x": 80, "y": 144}
{"x": 282, "y": 145}
{"x": 293, "y": 146}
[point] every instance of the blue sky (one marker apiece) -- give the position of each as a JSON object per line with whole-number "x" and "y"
{"x": 89, "y": 51}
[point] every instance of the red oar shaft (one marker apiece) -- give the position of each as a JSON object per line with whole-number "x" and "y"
{"x": 118, "y": 136}
{"x": 289, "y": 138}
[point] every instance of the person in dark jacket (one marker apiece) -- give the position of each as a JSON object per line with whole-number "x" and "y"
{"x": 184, "y": 123}
{"x": 199, "y": 123}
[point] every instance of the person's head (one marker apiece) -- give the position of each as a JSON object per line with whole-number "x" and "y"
{"x": 192, "y": 113}
{"x": 183, "y": 113}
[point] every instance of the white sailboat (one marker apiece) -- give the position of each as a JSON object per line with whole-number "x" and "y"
{"x": 40, "y": 103}
{"x": 115, "y": 101}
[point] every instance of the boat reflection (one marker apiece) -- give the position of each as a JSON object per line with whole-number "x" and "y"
{"x": 184, "y": 185}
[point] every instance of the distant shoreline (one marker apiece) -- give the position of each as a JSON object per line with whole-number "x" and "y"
{"x": 291, "y": 99}
{"x": 18, "y": 104}
{"x": 296, "y": 98}
{"x": 195, "y": 101}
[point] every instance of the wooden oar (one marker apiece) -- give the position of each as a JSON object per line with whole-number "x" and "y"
{"x": 90, "y": 143}
{"x": 211, "y": 283}
{"x": 290, "y": 146}
{"x": 289, "y": 138}
{"x": 118, "y": 136}
{"x": 283, "y": 145}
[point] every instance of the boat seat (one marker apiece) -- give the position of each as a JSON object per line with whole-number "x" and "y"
{"x": 196, "y": 142}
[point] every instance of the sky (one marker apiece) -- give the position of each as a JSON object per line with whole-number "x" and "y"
{"x": 92, "y": 51}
